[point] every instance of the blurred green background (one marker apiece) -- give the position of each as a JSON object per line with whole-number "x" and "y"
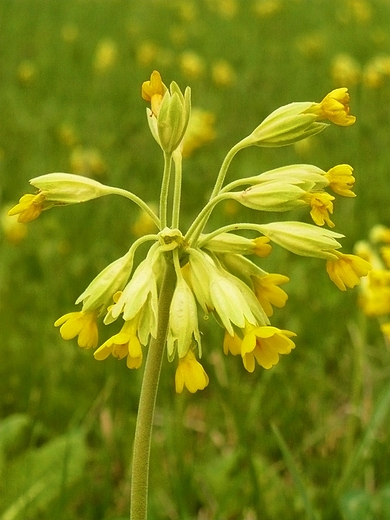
{"x": 307, "y": 439}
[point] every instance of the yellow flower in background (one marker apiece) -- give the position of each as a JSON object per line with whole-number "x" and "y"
{"x": 192, "y": 65}
{"x": 14, "y": 230}
{"x": 347, "y": 270}
{"x": 223, "y": 74}
{"x": 267, "y": 8}
{"x": 321, "y": 205}
{"x": 105, "y": 55}
{"x": 144, "y": 223}
{"x": 27, "y": 72}
{"x": 146, "y": 53}
{"x": 67, "y": 134}
{"x": 335, "y": 108}
{"x": 81, "y": 324}
{"x": 190, "y": 374}
{"x": 69, "y": 33}
{"x": 88, "y": 162}
{"x": 345, "y": 70}
{"x": 200, "y": 131}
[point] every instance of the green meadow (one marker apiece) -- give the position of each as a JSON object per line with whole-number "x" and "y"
{"x": 308, "y": 439}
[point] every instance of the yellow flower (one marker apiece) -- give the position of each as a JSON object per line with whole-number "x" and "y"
{"x": 335, "y": 108}
{"x": 14, "y": 231}
{"x": 29, "y": 208}
{"x": 81, "y": 324}
{"x": 264, "y": 344}
{"x": 262, "y": 247}
{"x": 347, "y": 270}
{"x": 190, "y": 374}
{"x": 192, "y": 65}
{"x": 223, "y": 74}
{"x": 341, "y": 180}
{"x": 232, "y": 344}
{"x": 385, "y": 328}
{"x": 200, "y": 131}
{"x": 105, "y": 56}
{"x": 345, "y": 70}
{"x": 321, "y": 205}
{"x": 125, "y": 343}
{"x": 385, "y": 252}
{"x": 268, "y": 293}
{"x": 153, "y": 91}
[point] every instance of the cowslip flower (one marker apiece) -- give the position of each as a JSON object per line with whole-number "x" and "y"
{"x": 81, "y": 324}
{"x": 347, "y": 270}
{"x": 213, "y": 271}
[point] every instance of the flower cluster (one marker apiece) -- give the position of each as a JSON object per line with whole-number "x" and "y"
{"x": 214, "y": 271}
{"x": 374, "y": 296}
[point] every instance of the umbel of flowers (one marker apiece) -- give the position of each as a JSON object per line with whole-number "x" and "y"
{"x": 374, "y": 297}
{"x": 214, "y": 271}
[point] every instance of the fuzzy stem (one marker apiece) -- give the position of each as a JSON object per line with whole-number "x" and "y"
{"x": 177, "y": 160}
{"x": 165, "y": 189}
{"x": 147, "y": 401}
{"x": 131, "y": 196}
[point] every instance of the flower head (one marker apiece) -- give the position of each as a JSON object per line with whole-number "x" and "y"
{"x": 321, "y": 205}
{"x": 153, "y": 91}
{"x": 81, "y": 324}
{"x": 29, "y": 207}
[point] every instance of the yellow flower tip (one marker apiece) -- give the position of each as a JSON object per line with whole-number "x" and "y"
{"x": 262, "y": 247}
{"x": 232, "y": 344}
{"x": 341, "y": 180}
{"x": 347, "y": 270}
{"x": 335, "y": 108}
{"x": 81, "y": 324}
{"x": 125, "y": 343}
{"x": 29, "y": 207}
{"x": 385, "y": 328}
{"x": 190, "y": 374}
{"x": 321, "y": 205}
{"x": 269, "y": 293}
{"x": 153, "y": 91}
{"x": 264, "y": 344}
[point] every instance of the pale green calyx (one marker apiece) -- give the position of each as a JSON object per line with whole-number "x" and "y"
{"x": 286, "y": 125}
{"x": 99, "y": 293}
{"x": 273, "y": 196}
{"x": 67, "y": 188}
{"x": 228, "y": 243}
{"x": 183, "y": 329}
{"x": 303, "y": 239}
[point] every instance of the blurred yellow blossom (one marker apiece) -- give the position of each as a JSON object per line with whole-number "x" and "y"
{"x": 146, "y": 53}
{"x": 14, "y": 231}
{"x": 200, "y": 131}
{"x": 144, "y": 223}
{"x": 192, "y": 65}
{"x": 225, "y": 8}
{"x": 267, "y": 8}
{"x": 311, "y": 45}
{"x": 376, "y": 71}
{"x": 345, "y": 70}
{"x": 223, "y": 74}
{"x": 67, "y": 134}
{"x": 105, "y": 55}
{"x": 87, "y": 162}
{"x": 27, "y": 72}
{"x": 69, "y": 33}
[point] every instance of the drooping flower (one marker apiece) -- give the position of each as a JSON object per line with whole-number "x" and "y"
{"x": 268, "y": 292}
{"x": 347, "y": 270}
{"x": 341, "y": 180}
{"x": 153, "y": 91}
{"x": 335, "y": 108}
{"x": 321, "y": 205}
{"x": 81, "y": 324}
{"x": 190, "y": 374}
{"x": 29, "y": 207}
{"x": 125, "y": 343}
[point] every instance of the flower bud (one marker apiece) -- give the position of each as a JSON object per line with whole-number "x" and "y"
{"x": 273, "y": 196}
{"x": 303, "y": 239}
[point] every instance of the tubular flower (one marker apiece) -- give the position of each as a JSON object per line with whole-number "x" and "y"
{"x": 341, "y": 180}
{"x": 262, "y": 247}
{"x": 334, "y": 107}
{"x": 321, "y": 205}
{"x": 125, "y": 343}
{"x": 263, "y": 344}
{"x": 153, "y": 91}
{"x": 29, "y": 207}
{"x": 81, "y": 324}
{"x": 269, "y": 293}
{"x": 190, "y": 374}
{"x": 347, "y": 270}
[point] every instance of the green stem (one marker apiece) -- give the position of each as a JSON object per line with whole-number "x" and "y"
{"x": 227, "y": 229}
{"x": 225, "y": 166}
{"x": 138, "y": 201}
{"x": 199, "y": 223}
{"x": 147, "y": 401}
{"x": 177, "y": 159}
{"x": 165, "y": 189}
